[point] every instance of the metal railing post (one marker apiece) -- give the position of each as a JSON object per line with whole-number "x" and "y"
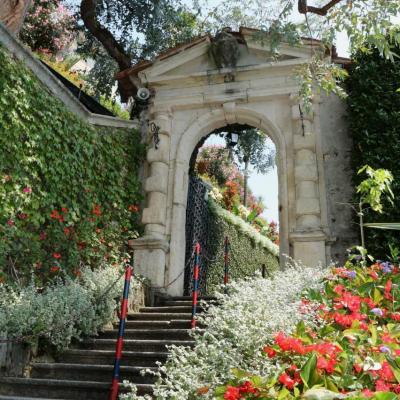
{"x": 263, "y": 271}
{"x": 121, "y": 330}
{"x": 195, "y": 292}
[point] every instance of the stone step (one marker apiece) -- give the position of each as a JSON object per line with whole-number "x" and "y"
{"x": 154, "y": 316}
{"x": 60, "y": 389}
{"x": 134, "y": 344}
{"x": 23, "y": 398}
{"x": 169, "y": 309}
{"x": 106, "y": 357}
{"x": 187, "y": 298}
{"x": 149, "y": 324}
{"x": 167, "y": 334}
{"x": 186, "y": 303}
{"x": 88, "y": 372}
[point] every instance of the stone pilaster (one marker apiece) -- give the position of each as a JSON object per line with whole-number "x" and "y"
{"x": 308, "y": 239}
{"x": 151, "y": 249}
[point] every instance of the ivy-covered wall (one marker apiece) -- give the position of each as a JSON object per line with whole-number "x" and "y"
{"x": 374, "y": 116}
{"x": 69, "y": 191}
{"x": 248, "y": 249}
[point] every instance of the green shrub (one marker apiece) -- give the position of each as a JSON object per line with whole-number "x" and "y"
{"x": 374, "y": 116}
{"x": 249, "y": 250}
{"x": 68, "y": 190}
{"x": 64, "y": 310}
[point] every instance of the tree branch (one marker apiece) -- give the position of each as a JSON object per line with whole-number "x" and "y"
{"x": 103, "y": 35}
{"x": 304, "y": 8}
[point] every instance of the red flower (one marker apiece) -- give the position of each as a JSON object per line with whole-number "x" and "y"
{"x": 42, "y": 235}
{"x": 373, "y": 275}
{"x": 22, "y": 216}
{"x": 247, "y": 387}
{"x": 54, "y": 268}
{"x": 271, "y": 353}
{"x": 56, "y": 215}
{"x": 324, "y": 364}
{"x": 96, "y": 210}
{"x": 289, "y": 343}
{"x": 382, "y": 386}
{"x": 64, "y": 210}
{"x": 286, "y": 380}
{"x": 395, "y": 316}
{"x": 57, "y": 255}
{"x": 232, "y": 393}
{"x": 10, "y": 222}
{"x": 357, "y": 368}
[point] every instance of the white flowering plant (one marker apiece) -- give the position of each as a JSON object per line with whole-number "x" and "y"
{"x": 63, "y": 311}
{"x": 237, "y": 329}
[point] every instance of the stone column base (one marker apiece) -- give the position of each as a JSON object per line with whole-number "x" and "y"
{"x": 150, "y": 259}
{"x": 309, "y": 247}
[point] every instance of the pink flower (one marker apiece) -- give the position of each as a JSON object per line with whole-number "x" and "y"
{"x": 10, "y": 222}
{"x": 27, "y": 189}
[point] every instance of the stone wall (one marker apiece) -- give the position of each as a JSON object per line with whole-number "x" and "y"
{"x": 336, "y": 148}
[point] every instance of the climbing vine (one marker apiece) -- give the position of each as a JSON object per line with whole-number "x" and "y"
{"x": 69, "y": 191}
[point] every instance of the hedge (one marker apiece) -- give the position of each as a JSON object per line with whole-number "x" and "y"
{"x": 248, "y": 249}
{"x": 68, "y": 191}
{"x": 374, "y": 117}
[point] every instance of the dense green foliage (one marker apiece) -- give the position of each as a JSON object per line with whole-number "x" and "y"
{"x": 68, "y": 191}
{"x": 374, "y": 115}
{"x": 249, "y": 250}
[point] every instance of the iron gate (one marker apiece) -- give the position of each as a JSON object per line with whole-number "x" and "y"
{"x": 197, "y": 217}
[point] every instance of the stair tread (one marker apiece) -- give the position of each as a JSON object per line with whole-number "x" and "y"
{"x": 128, "y": 352}
{"x": 88, "y": 366}
{"x": 2, "y": 397}
{"x": 61, "y": 382}
{"x": 139, "y": 341}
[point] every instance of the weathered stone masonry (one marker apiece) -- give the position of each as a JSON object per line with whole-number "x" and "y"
{"x": 191, "y": 99}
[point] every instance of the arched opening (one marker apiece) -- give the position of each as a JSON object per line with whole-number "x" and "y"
{"x": 227, "y": 193}
{"x": 188, "y": 137}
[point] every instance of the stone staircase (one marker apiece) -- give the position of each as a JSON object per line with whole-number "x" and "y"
{"x": 85, "y": 372}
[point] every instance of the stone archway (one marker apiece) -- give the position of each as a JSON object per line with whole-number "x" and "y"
{"x": 192, "y": 98}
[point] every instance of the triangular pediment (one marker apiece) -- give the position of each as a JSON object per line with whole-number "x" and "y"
{"x": 196, "y": 60}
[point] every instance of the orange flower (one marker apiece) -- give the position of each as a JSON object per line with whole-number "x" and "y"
{"x": 203, "y": 390}
{"x": 133, "y": 208}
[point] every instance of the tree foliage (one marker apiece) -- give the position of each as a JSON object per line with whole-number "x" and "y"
{"x": 374, "y": 116}
{"x": 48, "y": 26}
{"x": 118, "y": 34}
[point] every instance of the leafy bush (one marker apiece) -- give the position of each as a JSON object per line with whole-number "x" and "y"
{"x": 249, "y": 250}
{"x": 374, "y": 117}
{"x": 68, "y": 190}
{"x": 352, "y": 352}
{"x": 236, "y": 332}
{"x": 63, "y": 311}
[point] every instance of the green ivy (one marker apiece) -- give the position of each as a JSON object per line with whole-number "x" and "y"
{"x": 68, "y": 191}
{"x": 374, "y": 115}
{"x": 247, "y": 254}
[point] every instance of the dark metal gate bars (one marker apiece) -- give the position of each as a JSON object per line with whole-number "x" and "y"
{"x": 197, "y": 219}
